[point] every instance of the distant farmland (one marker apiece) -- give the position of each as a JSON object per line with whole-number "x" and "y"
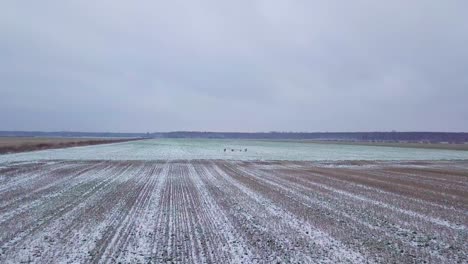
{"x": 24, "y": 144}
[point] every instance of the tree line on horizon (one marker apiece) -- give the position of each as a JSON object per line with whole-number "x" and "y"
{"x": 425, "y": 137}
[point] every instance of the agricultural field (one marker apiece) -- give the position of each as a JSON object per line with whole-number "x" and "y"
{"x": 57, "y": 206}
{"x": 189, "y": 149}
{"x": 24, "y": 144}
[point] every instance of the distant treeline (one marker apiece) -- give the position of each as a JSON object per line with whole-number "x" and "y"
{"x": 428, "y": 137}
{"x": 345, "y": 136}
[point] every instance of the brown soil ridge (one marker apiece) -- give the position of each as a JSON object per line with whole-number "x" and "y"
{"x": 17, "y": 145}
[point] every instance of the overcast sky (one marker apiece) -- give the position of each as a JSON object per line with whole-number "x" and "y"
{"x": 137, "y": 66}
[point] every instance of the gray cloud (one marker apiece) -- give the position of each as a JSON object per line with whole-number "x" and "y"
{"x": 237, "y": 66}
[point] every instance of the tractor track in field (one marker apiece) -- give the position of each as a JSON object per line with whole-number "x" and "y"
{"x": 219, "y": 211}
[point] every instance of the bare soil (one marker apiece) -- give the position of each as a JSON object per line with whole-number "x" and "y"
{"x": 233, "y": 212}
{"x": 24, "y": 144}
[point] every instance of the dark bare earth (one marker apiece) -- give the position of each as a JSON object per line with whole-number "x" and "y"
{"x": 233, "y": 212}
{"x": 22, "y": 144}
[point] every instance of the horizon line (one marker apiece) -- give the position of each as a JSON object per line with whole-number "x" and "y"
{"x": 232, "y": 132}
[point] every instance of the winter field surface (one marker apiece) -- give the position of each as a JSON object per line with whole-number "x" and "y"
{"x": 189, "y": 149}
{"x": 184, "y": 201}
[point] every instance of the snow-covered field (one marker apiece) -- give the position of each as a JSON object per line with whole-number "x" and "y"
{"x": 221, "y": 211}
{"x": 189, "y": 201}
{"x": 189, "y": 149}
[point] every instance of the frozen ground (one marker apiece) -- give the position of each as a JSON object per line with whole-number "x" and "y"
{"x": 215, "y": 211}
{"x": 176, "y": 149}
{"x": 188, "y": 201}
